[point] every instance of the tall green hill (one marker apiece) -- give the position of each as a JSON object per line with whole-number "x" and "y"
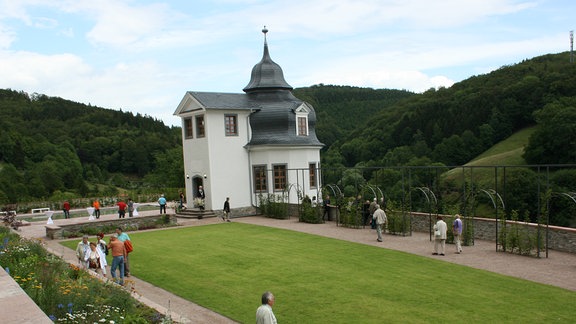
{"x": 453, "y": 125}
{"x": 51, "y": 145}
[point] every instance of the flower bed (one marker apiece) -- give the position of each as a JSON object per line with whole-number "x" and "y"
{"x": 66, "y": 293}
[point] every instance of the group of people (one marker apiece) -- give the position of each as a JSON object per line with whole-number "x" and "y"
{"x": 440, "y": 234}
{"x": 92, "y": 255}
{"x": 125, "y": 206}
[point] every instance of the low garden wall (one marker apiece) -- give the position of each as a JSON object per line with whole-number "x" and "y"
{"x": 56, "y": 232}
{"x": 559, "y": 238}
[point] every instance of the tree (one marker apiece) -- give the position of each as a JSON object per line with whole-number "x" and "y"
{"x": 553, "y": 141}
{"x": 521, "y": 188}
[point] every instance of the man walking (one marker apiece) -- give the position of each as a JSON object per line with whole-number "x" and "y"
{"x": 379, "y": 218}
{"x": 457, "y": 231}
{"x": 122, "y": 237}
{"x": 118, "y": 257}
{"x": 264, "y": 313}
{"x": 440, "y": 229}
{"x": 372, "y": 209}
{"x": 226, "y": 210}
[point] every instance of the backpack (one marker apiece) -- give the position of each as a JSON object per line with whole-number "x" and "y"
{"x": 104, "y": 248}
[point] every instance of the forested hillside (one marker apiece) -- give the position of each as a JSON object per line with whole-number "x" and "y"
{"x": 50, "y": 145}
{"x": 340, "y": 110}
{"x": 453, "y": 125}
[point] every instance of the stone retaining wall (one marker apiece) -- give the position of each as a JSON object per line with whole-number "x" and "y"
{"x": 238, "y": 212}
{"x": 56, "y": 232}
{"x": 559, "y": 238}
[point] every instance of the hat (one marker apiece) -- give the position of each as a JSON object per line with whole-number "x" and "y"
{"x": 85, "y": 236}
{"x": 115, "y": 235}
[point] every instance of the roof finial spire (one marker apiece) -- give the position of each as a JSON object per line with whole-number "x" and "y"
{"x": 265, "y": 30}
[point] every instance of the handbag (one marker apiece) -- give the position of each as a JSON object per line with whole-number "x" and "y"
{"x": 94, "y": 263}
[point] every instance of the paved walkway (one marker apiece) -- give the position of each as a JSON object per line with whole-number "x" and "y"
{"x": 559, "y": 269}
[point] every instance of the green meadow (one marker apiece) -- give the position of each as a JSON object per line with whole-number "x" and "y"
{"x": 226, "y": 267}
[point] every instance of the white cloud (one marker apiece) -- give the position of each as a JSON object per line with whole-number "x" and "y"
{"x": 143, "y": 55}
{"x": 25, "y": 70}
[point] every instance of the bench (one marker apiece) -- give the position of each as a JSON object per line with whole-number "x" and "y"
{"x": 40, "y": 210}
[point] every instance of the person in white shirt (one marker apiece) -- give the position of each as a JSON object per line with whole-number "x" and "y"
{"x": 264, "y": 313}
{"x": 379, "y": 217}
{"x": 440, "y": 229}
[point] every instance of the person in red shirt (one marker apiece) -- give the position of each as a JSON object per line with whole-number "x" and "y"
{"x": 121, "y": 209}
{"x": 66, "y": 209}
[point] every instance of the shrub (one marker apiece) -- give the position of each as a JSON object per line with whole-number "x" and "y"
{"x": 273, "y": 206}
{"x": 310, "y": 214}
{"x": 398, "y": 223}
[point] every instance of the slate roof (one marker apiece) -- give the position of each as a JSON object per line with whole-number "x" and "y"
{"x": 273, "y": 120}
{"x": 219, "y": 100}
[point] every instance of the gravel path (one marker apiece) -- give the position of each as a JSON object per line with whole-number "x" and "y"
{"x": 558, "y": 269}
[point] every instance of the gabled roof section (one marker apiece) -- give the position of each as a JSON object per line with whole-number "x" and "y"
{"x": 193, "y": 101}
{"x": 188, "y": 104}
{"x": 303, "y": 108}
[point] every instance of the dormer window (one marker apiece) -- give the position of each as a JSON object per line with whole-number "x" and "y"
{"x": 302, "y": 121}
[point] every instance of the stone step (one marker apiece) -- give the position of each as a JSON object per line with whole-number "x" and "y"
{"x": 195, "y": 213}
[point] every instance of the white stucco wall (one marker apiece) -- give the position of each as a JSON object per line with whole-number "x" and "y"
{"x": 221, "y": 158}
{"x": 297, "y": 160}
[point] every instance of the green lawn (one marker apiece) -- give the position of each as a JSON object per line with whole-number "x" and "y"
{"x": 226, "y": 267}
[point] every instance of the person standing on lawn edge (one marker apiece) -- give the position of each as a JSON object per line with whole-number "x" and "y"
{"x": 457, "y": 231}
{"x": 226, "y": 210}
{"x": 440, "y": 229}
{"x": 101, "y": 243}
{"x": 379, "y": 218}
{"x": 96, "y": 260}
{"x": 82, "y": 250}
{"x": 162, "y": 203}
{"x": 123, "y": 237}
{"x": 264, "y": 313}
{"x": 118, "y": 254}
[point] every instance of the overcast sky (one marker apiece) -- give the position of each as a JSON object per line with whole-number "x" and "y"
{"x": 142, "y": 56}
